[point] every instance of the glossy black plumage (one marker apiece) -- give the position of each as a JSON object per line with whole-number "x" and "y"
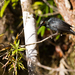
{"x": 57, "y": 25}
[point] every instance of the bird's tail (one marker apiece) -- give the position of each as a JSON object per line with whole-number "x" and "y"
{"x": 72, "y": 32}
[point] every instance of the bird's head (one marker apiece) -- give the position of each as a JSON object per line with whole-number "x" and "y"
{"x": 44, "y": 22}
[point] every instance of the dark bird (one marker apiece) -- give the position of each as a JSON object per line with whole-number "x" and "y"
{"x": 57, "y": 25}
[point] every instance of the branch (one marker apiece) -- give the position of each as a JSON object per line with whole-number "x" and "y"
{"x": 48, "y": 68}
{"x": 43, "y": 39}
{"x": 2, "y": 2}
{"x": 55, "y": 9}
{"x": 54, "y": 69}
{"x": 55, "y": 13}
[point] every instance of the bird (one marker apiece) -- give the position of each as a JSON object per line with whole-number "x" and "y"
{"x": 57, "y": 25}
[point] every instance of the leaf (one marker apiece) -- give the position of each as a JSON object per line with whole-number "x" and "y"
{"x": 13, "y": 52}
{"x": 51, "y": 10}
{"x": 12, "y": 45}
{"x": 13, "y": 1}
{"x": 38, "y": 3}
{"x": 21, "y": 49}
{"x": 11, "y": 67}
{"x": 57, "y": 37}
{"x": 17, "y": 44}
{"x": 47, "y": 10}
{"x": 20, "y": 65}
{"x": 41, "y": 30}
{"x": 38, "y": 20}
{"x": 4, "y": 7}
{"x": 20, "y": 56}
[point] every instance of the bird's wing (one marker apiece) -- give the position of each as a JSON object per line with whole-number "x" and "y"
{"x": 63, "y": 26}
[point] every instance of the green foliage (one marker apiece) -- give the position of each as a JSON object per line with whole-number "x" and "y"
{"x": 6, "y": 2}
{"x": 57, "y": 37}
{"x": 41, "y": 30}
{"x": 14, "y": 3}
{"x": 4, "y": 7}
{"x": 37, "y": 7}
{"x": 15, "y": 50}
{"x": 14, "y": 56}
{"x": 40, "y": 9}
{"x": 20, "y": 65}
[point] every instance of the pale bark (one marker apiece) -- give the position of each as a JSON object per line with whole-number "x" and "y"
{"x": 67, "y": 10}
{"x": 30, "y": 35}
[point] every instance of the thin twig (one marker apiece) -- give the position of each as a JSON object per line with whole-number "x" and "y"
{"x": 3, "y": 54}
{"x": 69, "y": 51}
{"x": 20, "y": 24}
{"x": 43, "y": 39}
{"x": 16, "y": 64}
{"x": 5, "y": 64}
{"x": 21, "y": 32}
{"x": 49, "y": 14}
{"x": 2, "y": 2}
{"x": 4, "y": 71}
{"x": 40, "y": 41}
{"x": 55, "y": 9}
{"x": 1, "y": 63}
{"x": 48, "y": 68}
{"x": 54, "y": 69}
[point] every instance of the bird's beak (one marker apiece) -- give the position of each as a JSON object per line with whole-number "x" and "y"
{"x": 40, "y": 26}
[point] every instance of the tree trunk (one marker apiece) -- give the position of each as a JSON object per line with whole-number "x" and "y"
{"x": 30, "y": 35}
{"x": 67, "y": 10}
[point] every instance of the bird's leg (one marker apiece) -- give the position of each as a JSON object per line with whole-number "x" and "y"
{"x": 61, "y": 34}
{"x": 54, "y": 34}
{"x": 51, "y": 32}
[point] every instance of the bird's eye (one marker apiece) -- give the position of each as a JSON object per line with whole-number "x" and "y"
{"x": 44, "y": 22}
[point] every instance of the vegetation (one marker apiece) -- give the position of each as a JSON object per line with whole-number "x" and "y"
{"x": 51, "y": 51}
